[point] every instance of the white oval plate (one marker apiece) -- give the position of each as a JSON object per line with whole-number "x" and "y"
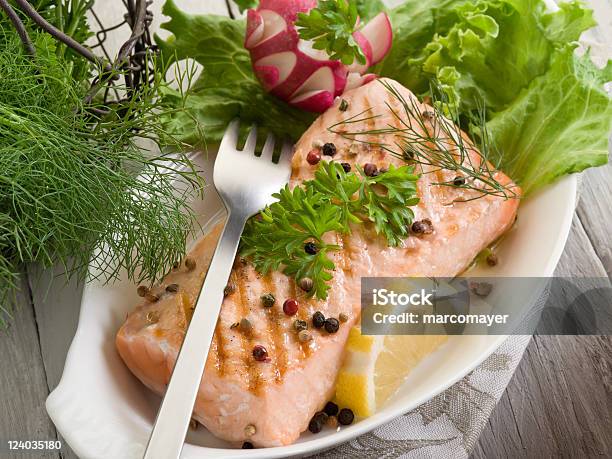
{"x": 103, "y": 411}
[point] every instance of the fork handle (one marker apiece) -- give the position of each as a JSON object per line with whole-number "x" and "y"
{"x": 173, "y": 418}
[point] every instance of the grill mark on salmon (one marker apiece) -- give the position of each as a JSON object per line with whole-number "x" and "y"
{"x": 284, "y": 401}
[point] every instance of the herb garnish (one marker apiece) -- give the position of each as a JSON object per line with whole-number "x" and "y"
{"x": 330, "y": 26}
{"x": 433, "y": 138}
{"x": 328, "y": 203}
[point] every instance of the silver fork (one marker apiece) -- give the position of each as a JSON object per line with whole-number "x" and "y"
{"x": 245, "y": 183}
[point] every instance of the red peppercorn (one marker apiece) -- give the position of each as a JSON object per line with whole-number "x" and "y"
{"x": 313, "y": 157}
{"x": 260, "y": 353}
{"x": 290, "y": 307}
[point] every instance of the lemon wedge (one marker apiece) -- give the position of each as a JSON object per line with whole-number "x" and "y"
{"x": 375, "y": 367}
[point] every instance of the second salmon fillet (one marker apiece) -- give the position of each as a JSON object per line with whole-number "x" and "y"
{"x": 270, "y": 403}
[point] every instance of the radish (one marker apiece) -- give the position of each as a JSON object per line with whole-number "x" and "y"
{"x": 289, "y": 68}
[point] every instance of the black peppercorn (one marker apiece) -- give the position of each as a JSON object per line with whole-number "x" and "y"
{"x": 331, "y": 409}
{"x": 346, "y": 416}
{"x": 346, "y": 167}
{"x": 370, "y": 169}
{"x": 317, "y": 422}
{"x": 172, "y": 288}
{"x": 332, "y": 325}
{"x": 260, "y": 353}
{"x": 329, "y": 149}
{"x": 247, "y": 445}
{"x": 318, "y": 319}
{"x": 458, "y": 181}
{"x": 422, "y": 226}
{"x": 311, "y": 248}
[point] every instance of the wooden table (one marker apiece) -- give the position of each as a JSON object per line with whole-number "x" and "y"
{"x": 558, "y": 404}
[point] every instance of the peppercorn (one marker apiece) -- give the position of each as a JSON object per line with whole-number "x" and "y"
{"x": 268, "y": 300}
{"x": 329, "y": 149}
{"x": 318, "y": 319}
{"x": 306, "y": 284}
{"x": 190, "y": 263}
{"x": 260, "y": 353}
{"x": 311, "y": 248}
{"x": 332, "y": 325}
{"x": 317, "y": 422}
{"x": 346, "y": 167}
{"x": 331, "y": 409}
{"x": 300, "y": 325}
{"x": 346, "y": 416}
{"x": 428, "y": 114}
{"x": 152, "y": 297}
{"x": 250, "y": 430}
{"x": 142, "y": 290}
{"x": 332, "y": 421}
{"x": 343, "y": 317}
{"x": 247, "y": 445}
{"x": 492, "y": 259}
{"x": 343, "y": 105}
{"x": 481, "y": 288}
{"x": 370, "y": 169}
{"x": 176, "y": 265}
{"x": 290, "y": 307}
{"x": 304, "y": 336}
{"x": 245, "y": 325}
{"x": 193, "y": 424}
{"x": 172, "y": 288}
{"x": 152, "y": 317}
{"x": 458, "y": 181}
{"x": 229, "y": 289}
{"x": 313, "y": 157}
{"x": 422, "y": 226}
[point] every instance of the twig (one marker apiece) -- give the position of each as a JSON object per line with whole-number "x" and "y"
{"x": 61, "y": 36}
{"x": 21, "y": 30}
{"x": 229, "y": 9}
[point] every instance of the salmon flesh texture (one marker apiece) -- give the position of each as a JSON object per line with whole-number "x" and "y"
{"x": 279, "y": 397}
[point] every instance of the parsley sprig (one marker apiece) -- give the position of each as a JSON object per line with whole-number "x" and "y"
{"x": 330, "y": 26}
{"x": 328, "y": 203}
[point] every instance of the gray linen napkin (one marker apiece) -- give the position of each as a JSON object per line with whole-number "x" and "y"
{"x": 448, "y": 425}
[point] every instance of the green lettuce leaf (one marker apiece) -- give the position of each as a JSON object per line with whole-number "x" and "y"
{"x": 227, "y": 87}
{"x": 548, "y": 114}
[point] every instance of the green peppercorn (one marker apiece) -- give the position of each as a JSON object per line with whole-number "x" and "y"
{"x": 299, "y": 325}
{"x": 343, "y": 105}
{"x": 268, "y": 300}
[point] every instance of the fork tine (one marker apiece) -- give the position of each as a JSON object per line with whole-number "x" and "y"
{"x": 268, "y": 149}
{"x": 230, "y": 138}
{"x": 286, "y": 154}
{"x": 251, "y": 141}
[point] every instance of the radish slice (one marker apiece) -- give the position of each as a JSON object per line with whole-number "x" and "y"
{"x": 354, "y": 80}
{"x": 379, "y": 34}
{"x": 314, "y": 101}
{"x": 292, "y": 70}
{"x": 284, "y": 63}
{"x": 254, "y": 30}
{"x": 322, "y": 79}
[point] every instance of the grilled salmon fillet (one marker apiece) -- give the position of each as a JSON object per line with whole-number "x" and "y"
{"x": 270, "y": 403}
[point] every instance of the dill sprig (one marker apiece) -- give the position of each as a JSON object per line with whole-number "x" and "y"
{"x": 74, "y": 185}
{"x": 329, "y": 203}
{"x": 432, "y": 137}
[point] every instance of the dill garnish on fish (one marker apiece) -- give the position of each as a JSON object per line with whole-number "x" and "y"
{"x": 431, "y": 136}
